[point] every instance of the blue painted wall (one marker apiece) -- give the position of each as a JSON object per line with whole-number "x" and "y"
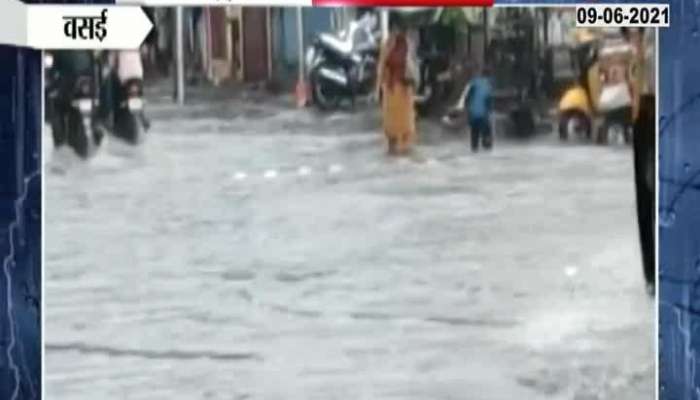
{"x": 285, "y": 47}
{"x": 20, "y": 220}
{"x": 679, "y": 203}
{"x": 20, "y": 223}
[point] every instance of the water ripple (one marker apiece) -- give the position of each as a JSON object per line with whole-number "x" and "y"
{"x": 85, "y": 348}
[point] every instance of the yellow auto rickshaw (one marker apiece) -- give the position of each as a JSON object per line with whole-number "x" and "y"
{"x": 604, "y": 103}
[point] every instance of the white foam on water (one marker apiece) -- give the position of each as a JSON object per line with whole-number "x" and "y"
{"x": 335, "y": 169}
{"x": 304, "y": 170}
{"x": 571, "y": 271}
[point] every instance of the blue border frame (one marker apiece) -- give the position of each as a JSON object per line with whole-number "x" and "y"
{"x": 679, "y": 201}
{"x": 679, "y": 234}
{"x": 20, "y": 223}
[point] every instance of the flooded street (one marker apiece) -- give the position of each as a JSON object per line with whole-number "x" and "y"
{"x": 264, "y": 253}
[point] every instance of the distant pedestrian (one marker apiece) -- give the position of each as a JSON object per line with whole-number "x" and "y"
{"x": 397, "y": 77}
{"x": 195, "y": 36}
{"x": 164, "y": 25}
{"x": 478, "y": 99}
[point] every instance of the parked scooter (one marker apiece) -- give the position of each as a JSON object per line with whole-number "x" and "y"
{"x": 344, "y": 65}
{"x": 603, "y": 104}
{"x": 435, "y": 65}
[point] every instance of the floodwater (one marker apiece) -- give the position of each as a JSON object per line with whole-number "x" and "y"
{"x": 278, "y": 256}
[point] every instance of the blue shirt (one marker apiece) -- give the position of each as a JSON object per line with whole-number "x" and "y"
{"x": 479, "y": 98}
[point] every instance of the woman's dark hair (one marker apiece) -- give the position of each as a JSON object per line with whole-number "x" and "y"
{"x": 397, "y": 22}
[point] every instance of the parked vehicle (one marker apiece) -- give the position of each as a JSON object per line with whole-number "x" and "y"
{"x": 435, "y": 46}
{"x": 602, "y": 105}
{"x": 514, "y": 69}
{"x": 434, "y": 53}
{"x": 344, "y": 65}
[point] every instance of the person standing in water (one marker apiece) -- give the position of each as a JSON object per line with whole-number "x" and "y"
{"x": 396, "y": 78}
{"x": 478, "y": 99}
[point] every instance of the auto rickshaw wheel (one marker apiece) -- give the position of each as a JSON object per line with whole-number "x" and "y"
{"x": 616, "y": 123}
{"x": 612, "y": 130}
{"x": 574, "y": 123}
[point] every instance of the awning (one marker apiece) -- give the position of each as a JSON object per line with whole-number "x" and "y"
{"x": 417, "y": 15}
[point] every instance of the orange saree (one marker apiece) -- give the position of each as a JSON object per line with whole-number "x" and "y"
{"x": 398, "y": 113}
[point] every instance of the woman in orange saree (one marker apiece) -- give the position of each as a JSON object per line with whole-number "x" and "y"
{"x": 395, "y": 80}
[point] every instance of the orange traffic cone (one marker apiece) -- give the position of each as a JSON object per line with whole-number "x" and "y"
{"x": 301, "y": 93}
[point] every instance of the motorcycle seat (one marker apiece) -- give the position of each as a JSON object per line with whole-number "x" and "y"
{"x": 341, "y": 46}
{"x": 129, "y": 65}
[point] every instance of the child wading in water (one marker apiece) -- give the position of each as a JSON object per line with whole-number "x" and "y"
{"x": 477, "y": 99}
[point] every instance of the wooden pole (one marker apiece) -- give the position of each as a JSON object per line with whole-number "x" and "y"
{"x": 301, "y": 91}
{"x": 385, "y": 24}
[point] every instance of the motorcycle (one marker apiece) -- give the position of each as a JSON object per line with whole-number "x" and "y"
{"x": 49, "y": 84}
{"x": 73, "y": 116}
{"x": 344, "y": 65}
{"x": 435, "y": 66}
{"x": 129, "y": 122}
{"x": 455, "y": 118}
